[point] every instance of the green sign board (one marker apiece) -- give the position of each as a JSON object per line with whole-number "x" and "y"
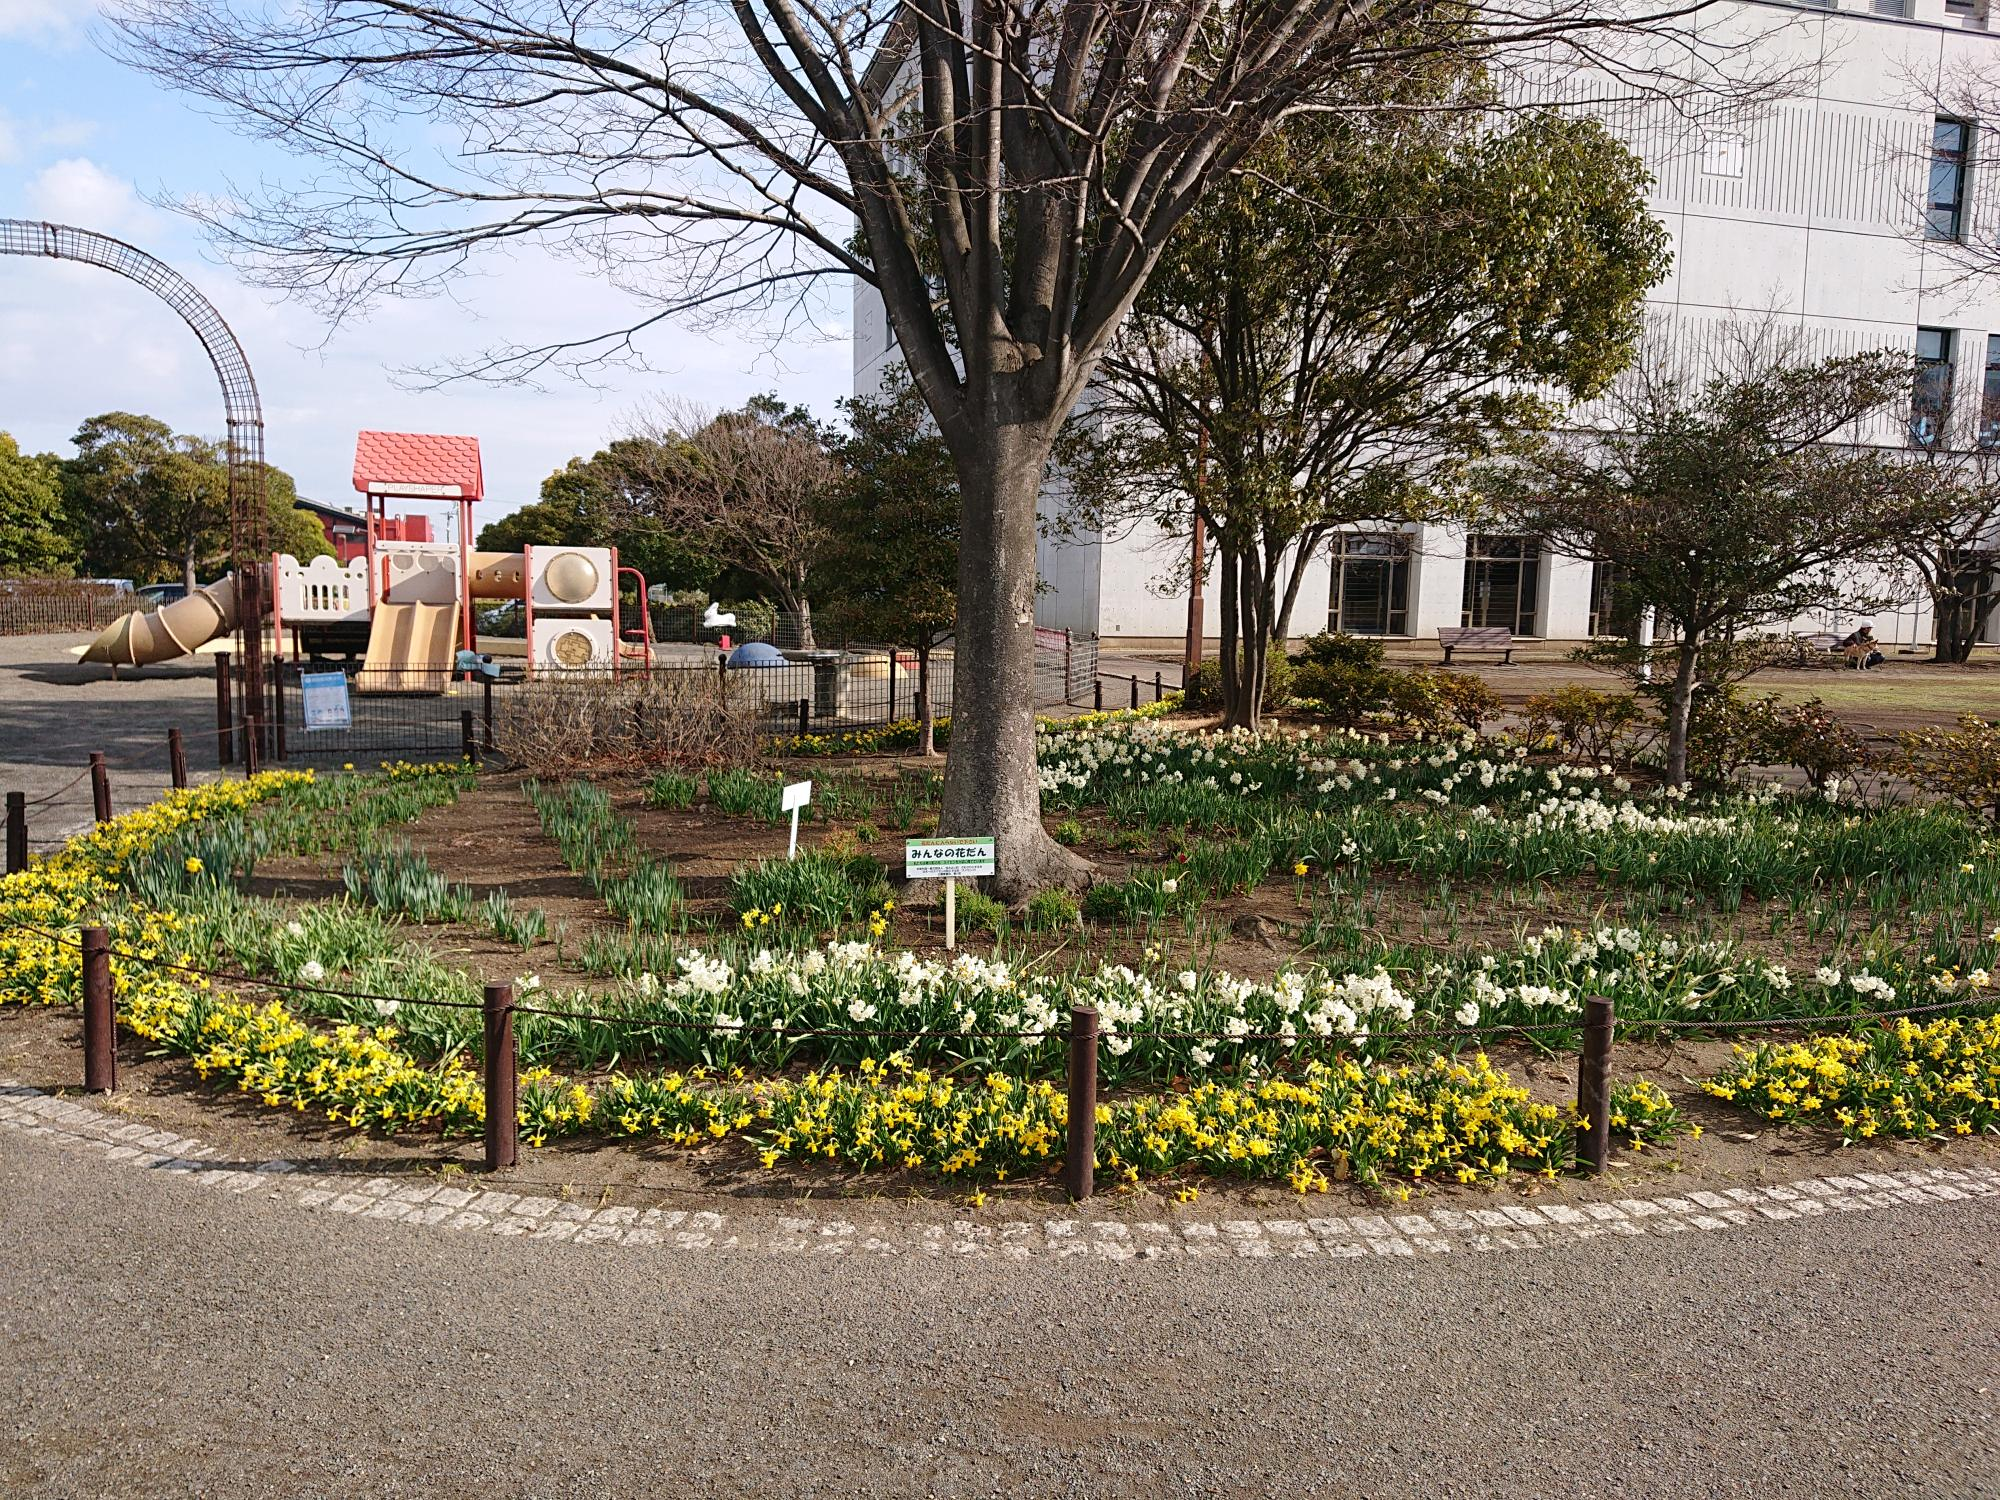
{"x": 954, "y": 859}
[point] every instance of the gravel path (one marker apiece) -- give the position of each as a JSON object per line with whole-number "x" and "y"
{"x": 163, "y": 1337}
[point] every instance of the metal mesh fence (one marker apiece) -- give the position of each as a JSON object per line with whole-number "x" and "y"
{"x": 52, "y": 606}
{"x": 411, "y": 716}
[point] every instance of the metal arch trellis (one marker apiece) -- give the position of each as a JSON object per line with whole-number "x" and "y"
{"x": 249, "y": 523}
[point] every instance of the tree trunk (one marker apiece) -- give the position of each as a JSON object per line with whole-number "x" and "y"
{"x": 1680, "y": 707}
{"x": 926, "y": 720}
{"x": 1255, "y": 642}
{"x": 805, "y": 624}
{"x": 1228, "y": 664}
{"x": 187, "y": 568}
{"x": 991, "y": 783}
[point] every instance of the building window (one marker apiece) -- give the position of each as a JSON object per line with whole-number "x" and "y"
{"x": 1951, "y": 142}
{"x": 1503, "y": 582}
{"x": 1989, "y": 396}
{"x": 1930, "y": 402}
{"x": 1371, "y": 584}
{"x": 1614, "y": 603}
{"x": 1899, "y": 8}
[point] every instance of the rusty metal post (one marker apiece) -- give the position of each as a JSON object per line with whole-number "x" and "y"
{"x": 100, "y": 1037}
{"x": 17, "y": 832}
{"x": 1080, "y": 1161}
{"x": 468, "y": 742}
{"x": 253, "y": 735}
{"x": 177, "y": 761}
{"x": 503, "y": 1123}
{"x": 1097, "y": 694}
{"x": 278, "y": 708}
{"x": 1593, "y": 1086}
{"x": 225, "y": 723}
{"x": 100, "y": 787}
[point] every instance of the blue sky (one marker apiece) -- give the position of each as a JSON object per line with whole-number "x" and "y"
{"x": 85, "y": 140}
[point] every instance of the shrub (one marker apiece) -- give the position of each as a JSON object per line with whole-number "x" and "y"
{"x": 1052, "y": 910}
{"x": 1344, "y": 692}
{"x": 1204, "y": 693}
{"x": 979, "y": 912}
{"x": 1807, "y": 736}
{"x": 557, "y": 725}
{"x": 1728, "y": 731}
{"x": 1069, "y": 832}
{"x": 1441, "y": 700}
{"x": 1585, "y": 723}
{"x": 1962, "y": 764}
{"x": 1338, "y": 649}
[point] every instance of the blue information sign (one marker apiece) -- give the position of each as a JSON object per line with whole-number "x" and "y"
{"x": 325, "y": 695}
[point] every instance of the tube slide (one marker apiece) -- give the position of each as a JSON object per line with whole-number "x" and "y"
{"x": 138, "y": 639}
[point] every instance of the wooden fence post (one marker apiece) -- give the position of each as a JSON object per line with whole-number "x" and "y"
{"x": 17, "y": 832}
{"x": 1080, "y": 1160}
{"x": 100, "y": 1036}
{"x": 100, "y": 787}
{"x": 503, "y": 1123}
{"x": 177, "y": 761}
{"x": 1593, "y": 1086}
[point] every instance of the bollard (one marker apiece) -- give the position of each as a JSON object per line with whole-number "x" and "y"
{"x": 1159, "y": 688}
{"x": 1080, "y": 1161}
{"x": 225, "y": 723}
{"x": 486, "y": 706}
{"x": 177, "y": 761}
{"x": 1097, "y": 694}
{"x": 503, "y": 1123}
{"x": 1593, "y": 1086}
{"x": 17, "y": 832}
{"x": 892, "y": 687}
{"x": 1135, "y": 689}
{"x": 468, "y": 743}
{"x": 253, "y": 732}
{"x": 805, "y": 717}
{"x": 100, "y": 787}
{"x": 100, "y": 1036}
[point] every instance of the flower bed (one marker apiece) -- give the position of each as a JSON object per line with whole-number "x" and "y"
{"x": 1938, "y": 1079}
{"x": 1332, "y": 1121}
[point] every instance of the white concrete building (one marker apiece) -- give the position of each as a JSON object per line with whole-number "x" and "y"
{"x": 1828, "y": 208}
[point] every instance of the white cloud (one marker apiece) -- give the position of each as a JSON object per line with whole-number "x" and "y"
{"x": 45, "y": 18}
{"x": 76, "y": 190}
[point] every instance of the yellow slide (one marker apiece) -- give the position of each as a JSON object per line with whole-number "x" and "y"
{"x": 141, "y": 638}
{"x": 411, "y": 648}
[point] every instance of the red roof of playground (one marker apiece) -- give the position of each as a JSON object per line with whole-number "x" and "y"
{"x": 421, "y": 464}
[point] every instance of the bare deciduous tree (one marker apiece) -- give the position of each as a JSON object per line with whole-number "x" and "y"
{"x": 1953, "y": 547}
{"x": 745, "y": 486}
{"x": 1004, "y": 173}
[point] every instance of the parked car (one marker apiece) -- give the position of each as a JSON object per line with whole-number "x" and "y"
{"x": 158, "y": 595}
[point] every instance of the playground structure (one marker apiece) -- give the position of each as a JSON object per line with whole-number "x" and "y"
{"x": 408, "y": 607}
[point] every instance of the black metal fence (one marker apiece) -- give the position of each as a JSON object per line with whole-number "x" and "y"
{"x": 401, "y": 714}
{"x": 51, "y": 606}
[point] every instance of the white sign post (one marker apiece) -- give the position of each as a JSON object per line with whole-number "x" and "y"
{"x": 950, "y": 860}
{"x": 796, "y": 796}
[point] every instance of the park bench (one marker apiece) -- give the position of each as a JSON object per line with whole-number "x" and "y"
{"x": 1477, "y": 638}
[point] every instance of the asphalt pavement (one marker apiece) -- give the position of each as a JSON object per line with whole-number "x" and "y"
{"x": 162, "y": 1338}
